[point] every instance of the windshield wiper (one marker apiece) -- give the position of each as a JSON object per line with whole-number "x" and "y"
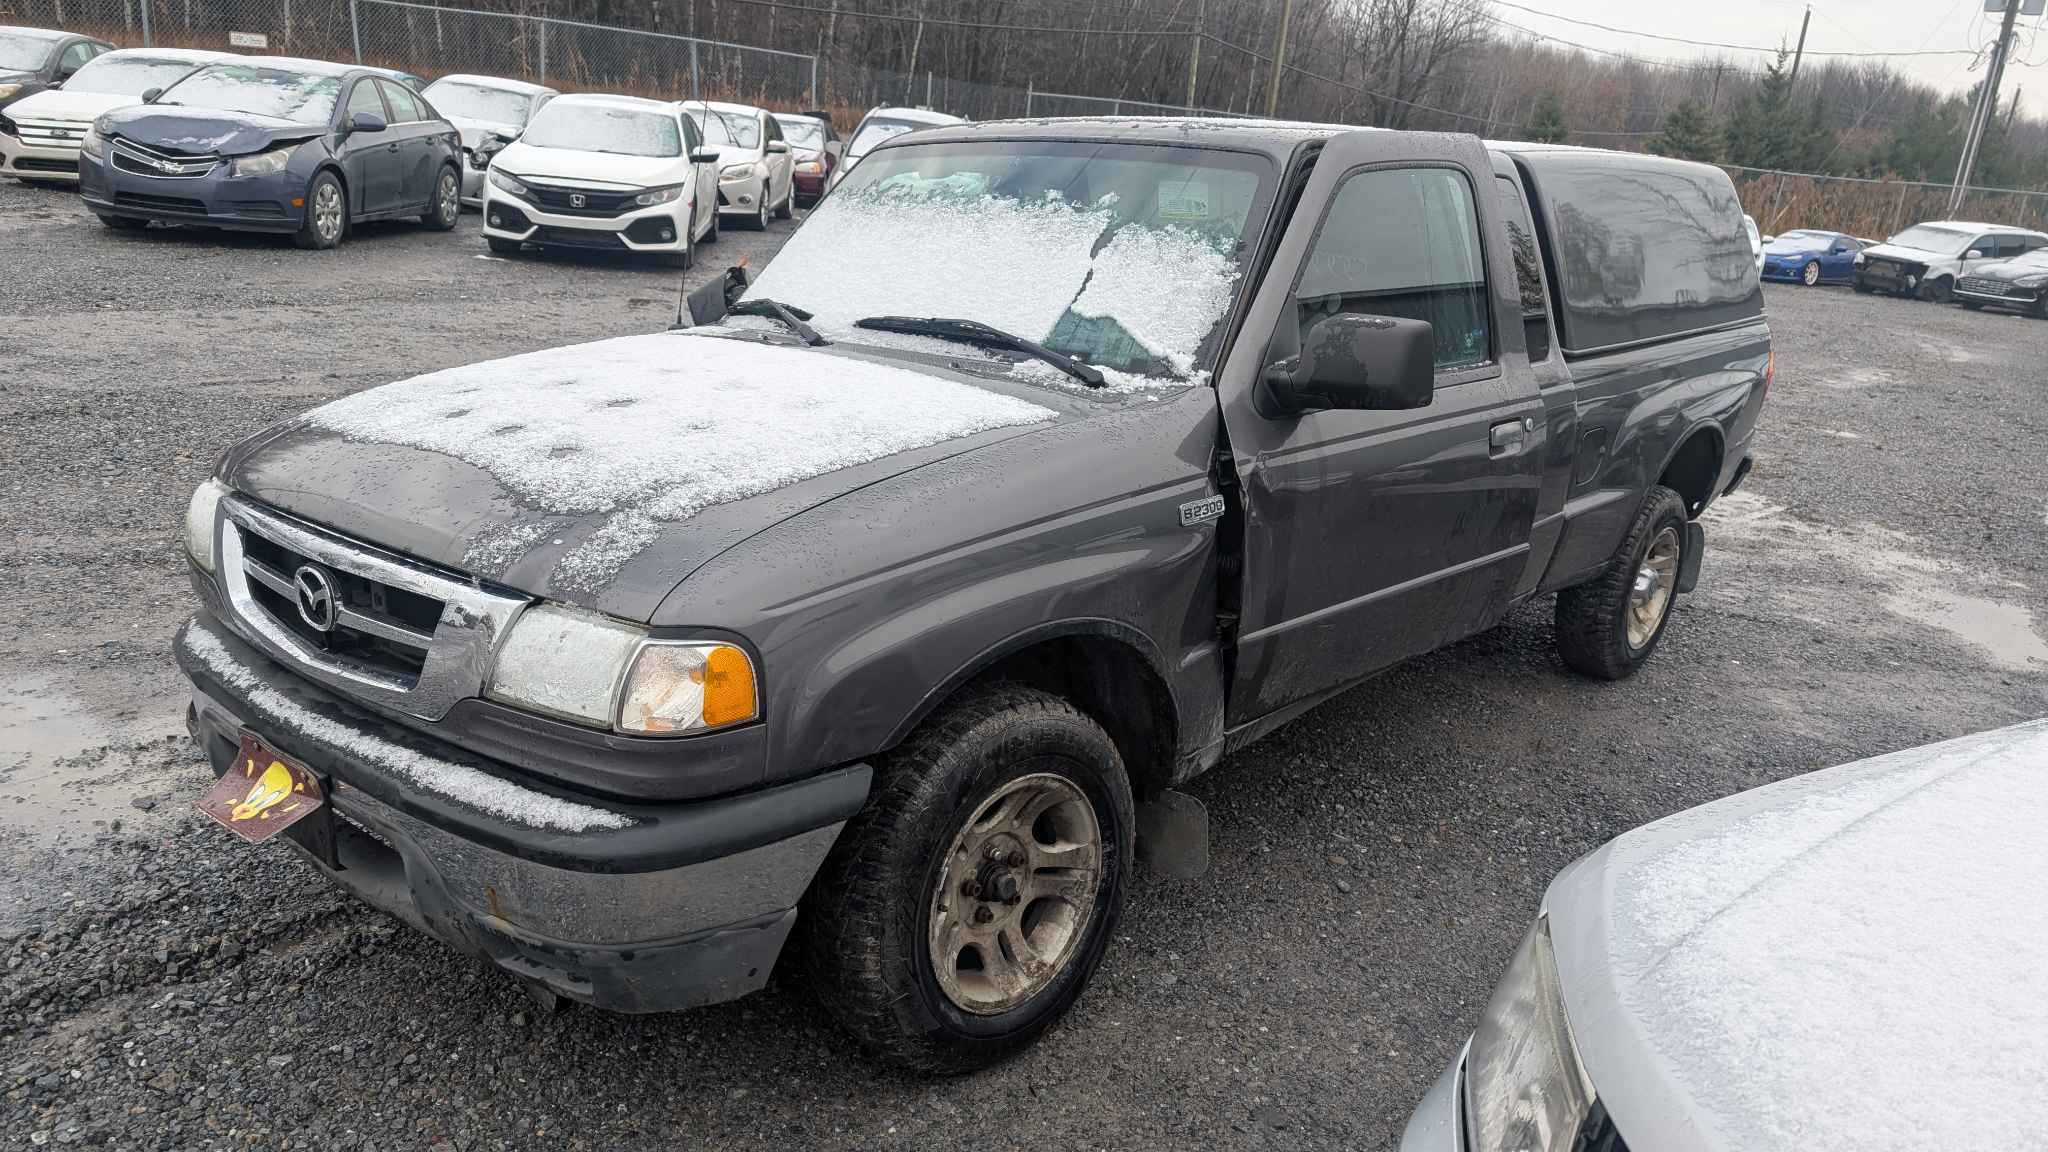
{"x": 792, "y": 318}
{"x": 975, "y": 332}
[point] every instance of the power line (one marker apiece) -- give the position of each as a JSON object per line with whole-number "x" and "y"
{"x": 1720, "y": 44}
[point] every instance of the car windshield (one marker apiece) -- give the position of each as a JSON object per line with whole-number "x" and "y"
{"x": 803, "y": 132}
{"x": 477, "y": 102}
{"x": 1927, "y": 238}
{"x": 731, "y": 129}
{"x": 280, "y": 92}
{"x": 128, "y": 75}
{"x": 875, "y": 129}
{"x": 19, "y": 53}
{"x": 604, "y": 128}
{"x": 1123, "y": 256}
{"x": 1799, "y": 241}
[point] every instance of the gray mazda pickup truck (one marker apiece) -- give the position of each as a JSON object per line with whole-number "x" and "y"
{"x": 1048, "y": 463}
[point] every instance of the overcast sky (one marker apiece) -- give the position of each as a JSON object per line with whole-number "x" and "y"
{"x": 1838, "y": 26}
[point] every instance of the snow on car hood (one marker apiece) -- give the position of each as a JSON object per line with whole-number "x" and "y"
{"x": 1856, "y": 958}
{"x": 474, "y": 131}
{"x": 522, "y": 159}
{"x": 204, "y": 131}
{"x": 57, "y": 104}
{"x": 555, "y": 471}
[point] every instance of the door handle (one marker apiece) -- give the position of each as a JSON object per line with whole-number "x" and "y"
{"x": 1510, "y": 435}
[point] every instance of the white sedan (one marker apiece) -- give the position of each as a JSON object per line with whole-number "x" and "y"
{"x": 481, "y": 107}
{"x": 755, "y": 170}
{"x": 610, "y": 173}
{"x": 39, "y": 134}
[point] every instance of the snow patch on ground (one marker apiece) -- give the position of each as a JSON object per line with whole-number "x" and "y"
{"x": 654, "y": 429}
{"x": 458, "y": 782}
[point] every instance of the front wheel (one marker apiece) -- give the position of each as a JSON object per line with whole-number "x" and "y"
{"x": 962, "y": 912}
{"x": 446, "y": 210}
{"x": 759, "y": 221}
{"x": 326, "y": 214}
{"x": 711, "y": 232}
{"x": 1939, "y": 290}
{"x": 1608, "y": 628}
{"x": 1810, "y": 275}
{"x": 788, "y": 203}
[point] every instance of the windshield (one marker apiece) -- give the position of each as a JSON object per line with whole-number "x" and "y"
{"x": 875, "y": 129}
{"x": 730, "y": 129}
{"x": 1930, "y": 239}
{"x": 20, "y": 53}
{"x": 1125, "y": 257}
{"x": 1800, "y": 241}
{"x": 278, "y": 92}
{"x": 598, "y": 128}
{"x": 476, "y": 102}
{"x": 803, "y": 132}
{"x": 128, "y": 75}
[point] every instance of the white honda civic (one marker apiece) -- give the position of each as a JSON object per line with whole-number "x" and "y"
{"x": 756, "y": 174}
{"x": 609, "y": 173}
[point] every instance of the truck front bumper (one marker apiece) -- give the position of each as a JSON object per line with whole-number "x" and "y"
{"x": 686, "y": 904}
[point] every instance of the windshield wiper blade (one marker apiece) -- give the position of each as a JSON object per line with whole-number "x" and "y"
{"x": 975, "y": 332}
{"x": 792, "y": 318}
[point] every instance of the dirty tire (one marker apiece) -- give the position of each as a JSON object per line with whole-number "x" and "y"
{"x": 867, "y": 916}
{"x": 502, "y": 247}
{"x": 711, "y": 233}
{"x": 326, "y": 214}
{"x": 1592, "y": 618}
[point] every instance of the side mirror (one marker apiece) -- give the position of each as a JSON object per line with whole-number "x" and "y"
{"x": 778, "y": 146}
{"x": 1356, "y": 362}
{"x": 149, "y": 95}
{"x": 703, "y": 156}
{"x": 1974, "y": 254}
{"x": 365, "y": 122}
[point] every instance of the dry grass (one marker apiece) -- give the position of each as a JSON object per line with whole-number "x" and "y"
{"x": 1872, "y": 210}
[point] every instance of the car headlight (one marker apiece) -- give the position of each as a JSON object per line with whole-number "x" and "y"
{"x": 261, "y": 164}
{"x": 737, "y": 171}
{"x": 200, "y": 517}
{"x": 2039, "y": 280}
{"x": 1526, "y": 1088}
{"x": 594, "y": 670}
{"x": 7, "y": 90}
{"x": 1859, "y": 260}
{"x": 507, "y": 181}
{"x": 93, "y": 144}
{"x": 659, "y": 195}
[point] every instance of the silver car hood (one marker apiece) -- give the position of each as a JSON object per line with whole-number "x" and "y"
{"x": 1855, "y": 958}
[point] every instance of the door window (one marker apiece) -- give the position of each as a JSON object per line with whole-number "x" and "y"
{"x": 774, "y": 129}
{"x": 692, "y": 139}
{"x": 1403, "y": 242}
{"x": 404, "y": 109}
{"x": 74, "y": 58}
{"x": 364, "y": 101}
{"x": 1528, "y": 268}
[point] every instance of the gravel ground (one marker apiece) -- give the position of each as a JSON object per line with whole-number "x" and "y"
{"x": 1873, "y": 587}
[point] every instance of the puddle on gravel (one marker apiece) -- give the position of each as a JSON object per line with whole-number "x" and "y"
{"x": 66, "y": 768}
{"x": 1851, "y": 379}
{"x": 2004, "y": 630}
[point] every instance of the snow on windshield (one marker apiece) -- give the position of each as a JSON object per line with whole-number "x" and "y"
{"x": 600, "y": 128}
{"x": 305, "y": 97}
{"x": 19, "y": 53}
{"x": 1131, "y": 280}
{"x": 129, "y": 75}
{"x": 650, "y": 430}
{"x": 478, "y": 102}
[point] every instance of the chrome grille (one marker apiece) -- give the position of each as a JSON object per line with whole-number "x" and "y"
{"x": 404, "y": 635}
{"x": 63, "y": 134}
{"x": 1986, "y": 286}
{"x": 131, "y": 157}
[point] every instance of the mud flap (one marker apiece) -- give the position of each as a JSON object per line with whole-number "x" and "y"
{"x": 1689, "y": 561}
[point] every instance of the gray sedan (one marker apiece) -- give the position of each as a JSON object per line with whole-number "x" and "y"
{"x": 1856, "y": 958}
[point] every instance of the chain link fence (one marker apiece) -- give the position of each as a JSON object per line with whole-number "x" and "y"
{"x": 1874, "y": 209}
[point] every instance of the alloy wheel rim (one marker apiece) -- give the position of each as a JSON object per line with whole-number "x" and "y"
{"x": 1649, "y": 598}
{"x": 1812, "y": 274}
{"x": 327, "y": 212}
{"x": 1015, "y": 894}
{"x": 448, "y": 203}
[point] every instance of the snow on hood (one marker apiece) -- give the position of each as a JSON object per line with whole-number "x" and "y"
{"x": 474, "y": 131}
{"x": 57, "y": 104}
{"x": 926, "y": 251}
{"x": 522, "y": 159}
{"x": 1857, "y": 958}
{"x": 205, "y": 131}
{"x": 650, "y": 430}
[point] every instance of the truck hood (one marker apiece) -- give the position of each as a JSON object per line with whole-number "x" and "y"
{"x": 203, "y": 131}
{"x": 1856, "y": 958}
{"x": 57, "y": 104}
{"x": 522, "y": 159}
{"x": 603, "y": 474}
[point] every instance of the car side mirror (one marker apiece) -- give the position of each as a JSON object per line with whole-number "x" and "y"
{"x": 1974, "y": 254}
{"x": 149, "y": 95}
{"x": 365, "y": 122}
{"x": 778, "y": 146}
{"x": 1357, "y": 362}
{"x": 701, "y": 156}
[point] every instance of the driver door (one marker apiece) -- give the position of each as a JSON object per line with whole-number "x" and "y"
{"x": 369, "y": 160}
{"x": 1374, "y": 536}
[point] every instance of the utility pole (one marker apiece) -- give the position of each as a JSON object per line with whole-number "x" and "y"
{"x": 1280, "y": 59}
{"x": 1987, "y": 107}
{"x": 1195, "y": 49}
{"x": 1799, "y": 52}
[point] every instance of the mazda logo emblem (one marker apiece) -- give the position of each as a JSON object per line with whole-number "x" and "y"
{"x": 575, "y": 199}
{"x": 316, "y": 597}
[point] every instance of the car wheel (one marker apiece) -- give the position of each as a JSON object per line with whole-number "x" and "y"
{"x": 759, "y": 221}
{"x": 446, "y": 210}
{"x": 711, "y": 233}
{"x": 1810, "y": 275}
{"x": 326, "y": 214}
{"x": 962, "y": 912}
{"x": 1607, "y": 628}
{"x": 1863, "y": 287}
{"x": 687, "y": 256}
{"x": 122, "y": 223}
{"x": 1939, "y": 290}
{"x": 788, "y": 208}
{"x": 502, "y": 247}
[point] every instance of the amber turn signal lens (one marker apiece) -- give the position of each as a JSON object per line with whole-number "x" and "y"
{"x": 685, "y": 687}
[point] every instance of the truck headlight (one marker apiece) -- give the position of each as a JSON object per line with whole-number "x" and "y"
{"x": 658, "y": 195}
{"x": 507, "y": 181}
{"x": 1528, "y": 1092}
{"x": 594, "y": 670}
{"x": 200, "y": 517}
{"x": 261, "y": 164}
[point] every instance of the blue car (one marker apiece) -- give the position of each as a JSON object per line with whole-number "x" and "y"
{"x": 1809, "y": 256}
{"x": 270, "y": 144}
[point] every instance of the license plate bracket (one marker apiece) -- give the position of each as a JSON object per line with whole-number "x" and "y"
{"x": 265, "y": 792}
